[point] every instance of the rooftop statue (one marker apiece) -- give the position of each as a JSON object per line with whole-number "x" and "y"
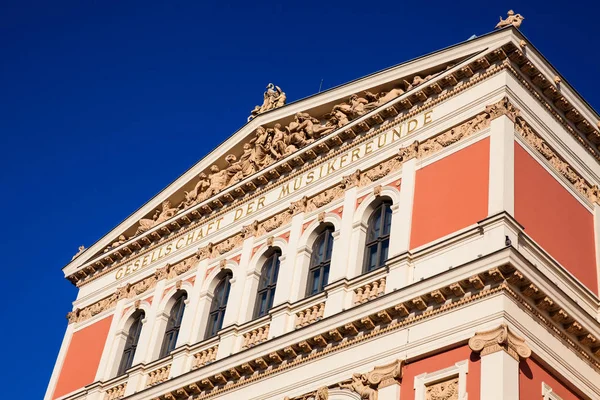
{"x": 512, "y": 19}
{"x": 273, "y": 97}
{"x": 81, "y": 250}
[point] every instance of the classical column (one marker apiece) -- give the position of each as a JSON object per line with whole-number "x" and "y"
{"x": 500, "y": 350}
{"x": 111, "y": 356}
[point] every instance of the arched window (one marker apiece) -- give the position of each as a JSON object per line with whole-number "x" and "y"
{"x": 378, "y": 237}
{"x": 173, "y": 325}
{"x": 133, "y": 336}
{"x": 267, "y": 284}
{"x": 318, "y": 272}
{"x": 218, "y": 306}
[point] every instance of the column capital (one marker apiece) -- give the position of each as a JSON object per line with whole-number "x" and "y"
{"x": 500, "y": 338}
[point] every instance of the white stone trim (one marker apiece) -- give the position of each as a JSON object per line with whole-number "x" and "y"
{"x": 460, "y": 370}
{"x": 548, "y": 393}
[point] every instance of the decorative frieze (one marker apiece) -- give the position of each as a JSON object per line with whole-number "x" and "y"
{"x": 504, "y": 279}
{"x": 415, "y": 102}
{"x": 158, "y": 375}
{"x": 205, "y": 357}
{"x": 591, "y": 192}
{"x": 310, "y": 315}
{"x": 116, "y": 392}
{"x": 255, "y": 336}
{"x": 498, "y": 339}
{"x": 369, "y": 291}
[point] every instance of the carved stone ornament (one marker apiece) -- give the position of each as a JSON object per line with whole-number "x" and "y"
{"x": 366, "y": 385}
{"x": 273, "y": 97}
{"x": 500, "y": 338}
{"x": 512, "y": 19}
{"x": 445, "y": 390}
{"x": 80, "y": 250}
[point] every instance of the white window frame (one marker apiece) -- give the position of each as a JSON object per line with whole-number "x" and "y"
{"x": 459, "y": 369}
{"x": 548, "y": 393}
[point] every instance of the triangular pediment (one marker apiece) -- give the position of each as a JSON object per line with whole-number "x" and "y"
{"x": 276, "y": 142}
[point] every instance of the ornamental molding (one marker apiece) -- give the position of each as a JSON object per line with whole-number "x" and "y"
{"x": 366, "y": 385}
{"x": 368, "y": 119}
{"x": 500, "y": 339}
{"x": 399, "y": 109}
{"x": 505, "y": 280}
{"x": 557, "y": 163}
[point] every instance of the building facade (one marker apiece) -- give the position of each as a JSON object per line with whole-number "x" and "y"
{"x": 427, "y": 232}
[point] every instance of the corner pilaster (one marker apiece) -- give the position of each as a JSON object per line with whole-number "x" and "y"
{"x": 501, "y": 351}
{"x": 502, "y": 166}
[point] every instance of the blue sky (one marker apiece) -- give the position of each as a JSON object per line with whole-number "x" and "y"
{"x": 103, "y": 103}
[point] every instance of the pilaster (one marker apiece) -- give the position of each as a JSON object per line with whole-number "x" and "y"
{"x": 249, "y": 279}
{"x": 150, "y": 337}
{"x": 289, "y": 269}
{"x": 500, "y": 350}
{"x": 108, "y": 354}
{"x": 402, "y": 214}
{"x": 501, "y": 190}
{"x": 341, "y": 267}
{"x": 597, "y": 241}
{"x": 199, "y": 298}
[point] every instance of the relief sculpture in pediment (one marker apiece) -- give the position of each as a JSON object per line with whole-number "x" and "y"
{"x": 270, "y": 144}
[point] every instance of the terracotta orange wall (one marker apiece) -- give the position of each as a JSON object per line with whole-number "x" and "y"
{"x": 82, "y": 358}
{"x": 438, "y": 362}
{"x": 555, "y": 219}
{"x": 531, "y": 376}
{"x": 451, "y": 194}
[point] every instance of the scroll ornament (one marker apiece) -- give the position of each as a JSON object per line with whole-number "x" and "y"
{"x": 500, "y": 338}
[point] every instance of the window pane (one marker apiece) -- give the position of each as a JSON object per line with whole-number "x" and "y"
{"x": 388, "y": 220}
{"x": 371, "y": 258}
{"x": 316, "y": 274}
{"x": 329, "y": 245}
{"x": 385, "y": 245}
{"x": 325, "y": 277}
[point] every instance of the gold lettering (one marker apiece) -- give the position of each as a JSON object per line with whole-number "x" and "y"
{"x": 343, "y": 159}
{"x": 427, "y": 118}
{"x": 412, "y": 127}
{"x": 368, "y": 148}
{"x": 330, "y": 167}
{"x": 128, "y": 269}
{"x": 310, "y": 177}
{"x": 384, "y": 137}
{"x": 321, "y": 171}
{"x": 119, "y": 273}
{"x": 250, "y": 208}
{"x": 190, "y": 238}
{"x": 261, "y": 204}
{"x": 209, "y": 227}
{"x": 152, "y": 259}
{"x": 397, "y": 133}
{"x": 355, "y": 155}
{"x": 285, "y": 190}
{"x": 145, "y": 261}
{"x": 298, "y": 183}
{"x": 136, "y": 265}
{"x": 168, "y": 248}
{"x": 221, "y": 219}
{"x": 239, "y": 212}
{"x": 177, "y": 246}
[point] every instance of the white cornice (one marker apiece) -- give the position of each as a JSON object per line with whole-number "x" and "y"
{"x": 465, "y": 49}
